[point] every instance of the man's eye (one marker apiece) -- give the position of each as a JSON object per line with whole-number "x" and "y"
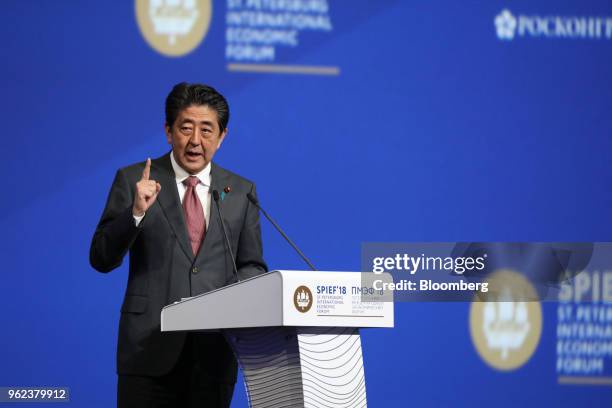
{"x": 186, "y": 129}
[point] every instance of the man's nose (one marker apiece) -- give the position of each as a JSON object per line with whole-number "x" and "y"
{"x": 195, "y": 139}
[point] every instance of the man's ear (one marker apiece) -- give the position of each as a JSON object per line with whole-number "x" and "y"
{"x": 222, "y": 138}
{"x": 168, "y": 133}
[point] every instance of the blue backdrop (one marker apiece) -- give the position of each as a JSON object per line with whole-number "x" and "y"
{"x": 432, "y": 129}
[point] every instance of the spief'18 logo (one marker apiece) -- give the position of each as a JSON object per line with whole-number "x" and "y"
{"x": 173, "y": 27}
{"x": 302, "y": 299}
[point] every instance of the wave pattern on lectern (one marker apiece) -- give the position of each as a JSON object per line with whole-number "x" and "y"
{"x": 301, "y": 367}
{"x": 270, "y": 361}
{"x": 332, "y": 367}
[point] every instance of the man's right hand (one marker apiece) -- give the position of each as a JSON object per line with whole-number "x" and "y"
{"x": 146, "y": 192}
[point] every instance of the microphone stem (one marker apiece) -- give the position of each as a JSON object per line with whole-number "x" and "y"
{"x": 227, "y": 241}
{"x": 286, "y": 237}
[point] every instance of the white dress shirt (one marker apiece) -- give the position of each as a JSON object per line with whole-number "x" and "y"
{"x": 202, "y": 188}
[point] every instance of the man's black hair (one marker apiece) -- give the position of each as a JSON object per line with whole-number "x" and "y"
{"x": 184, "y": 95}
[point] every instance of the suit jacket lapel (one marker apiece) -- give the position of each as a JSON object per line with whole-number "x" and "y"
{"x": 168, "y": 199}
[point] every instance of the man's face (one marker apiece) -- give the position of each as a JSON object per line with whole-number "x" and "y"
{"x": 195, "y": 137}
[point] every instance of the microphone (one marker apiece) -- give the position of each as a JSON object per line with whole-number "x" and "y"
{"x": 215, "y": 195}
{"x": 255, "y": 202}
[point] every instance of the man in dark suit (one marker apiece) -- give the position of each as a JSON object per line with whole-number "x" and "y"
{"x": 163, "y": 213}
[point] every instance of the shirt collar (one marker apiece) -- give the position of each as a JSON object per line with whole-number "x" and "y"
{"x": 181, "y": 174}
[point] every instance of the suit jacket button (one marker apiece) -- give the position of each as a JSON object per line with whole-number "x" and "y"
{"x": 194, "y": 269}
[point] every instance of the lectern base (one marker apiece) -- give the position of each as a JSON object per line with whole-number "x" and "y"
{"x": 300, "y": 366}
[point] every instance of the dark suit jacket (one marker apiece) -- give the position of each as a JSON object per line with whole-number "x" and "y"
{"x": 163, "y": 268}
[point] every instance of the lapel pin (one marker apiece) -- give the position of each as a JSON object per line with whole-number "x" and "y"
{"x": 226, "y": 190}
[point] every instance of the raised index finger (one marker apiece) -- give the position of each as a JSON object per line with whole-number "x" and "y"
{"x": 147, "y": 170}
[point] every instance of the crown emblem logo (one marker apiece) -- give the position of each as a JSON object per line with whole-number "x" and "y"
{"x": 173, "y": 27}
{"x": 505, "y": 324}
{"x": 302, "y": 299}
{"x": 173, "y": 18}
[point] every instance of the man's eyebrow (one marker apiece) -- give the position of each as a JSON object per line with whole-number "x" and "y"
{"x": 203, "y": 122}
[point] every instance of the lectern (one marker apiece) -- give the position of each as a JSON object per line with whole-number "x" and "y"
{"x": 295, "y": 334}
